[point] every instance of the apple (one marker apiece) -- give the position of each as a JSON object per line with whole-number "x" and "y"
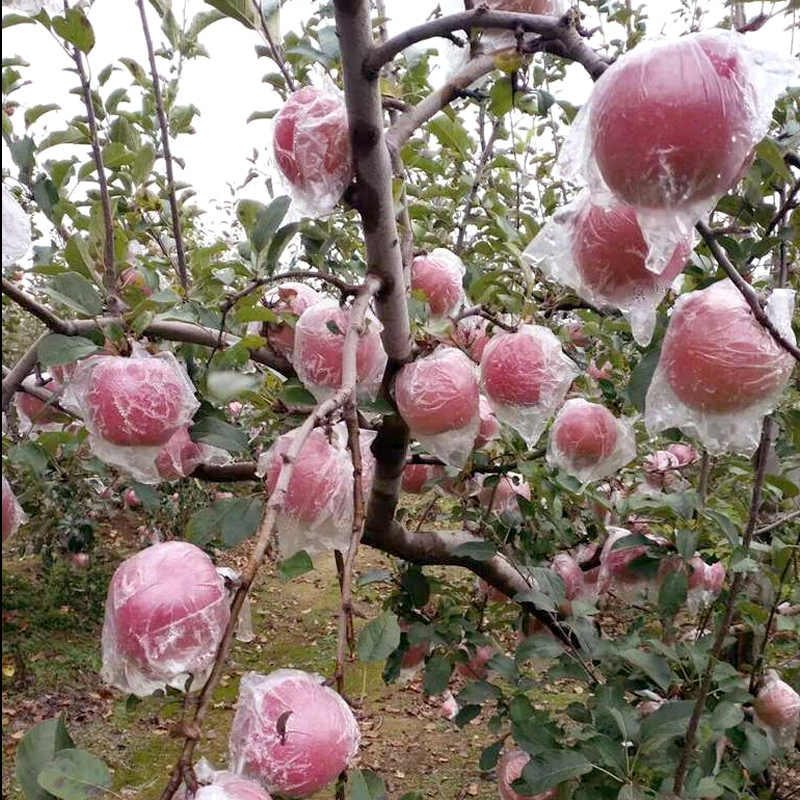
{"x": 79, "y": 560}
{"x": 777, "y": 709}
{"x": 36, "y": 410}
{"x": 490, "y": 428}
{"x": 471, "y": 335}
{"x": 179, "y": 457}
{"x": 311, "y": 140}
{"x": 648, "y": 145}
{"x": 610, "y": 252}
{"x": 686, "y": 454}
{"x": 166, "y": 613}
{"x": 235, "y": 408}
{"x": 13, "y": 515}
{"x": 614, "y": 564}
{"x": 438, "y": 393}
{"x": 291, "y": 733}
{"x": 131, "y": 499}
{"x": 416, "y": 476}
{"x": 288, "y": 298}
{"x": 600, "y": 373}
{"x": 319, "y": 346}
{"x": 475, "y": 668}
{"x": 136, "y": 402}
{"x": 502, "y": 496}
{"x": 523, "y": 369}
{"x": 449, "y": 707}
{"x": 438, "y": 276}
{"x": 716, "y": 357}
{"x": 224, "y": 785}
{"x": 509, "y": 769}
{"x": 584, "y": 433}
{"x": 132, "y": 278}
{"x": 567, "y": 568}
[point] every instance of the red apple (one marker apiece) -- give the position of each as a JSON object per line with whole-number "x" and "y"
{"x": 415, "y": 476}
{"x": 522, "y": 369}
{"x": 449, "y": 707}
{"x": 319, "y": 346}
{"x": 502, "y": 496}
{"x": 79, "y": 560}
{"x": 475, "y": 668}
{"x": 567, "y": 568}
{"x": 166, "y": 612}
{"x": 584, "y": 433}
{"x": 224, "y": 785}
{"x": 438, "y": 393}
{"x": 716, "y": 357}
{"x": 136, "y": 402}
{"x": 311, "y": 139}
{"x": 610, "y": 253}
{"x": 132, "y": 278}
{"x": 438, "y": 276}
{"x": 777, "y": 706}
{"x": 600, "y": 373}
{"x": 288, "y": 298}
{"x": 470, "y": 335}
{"x": 291, "y": 733}
{"x": 490, "y": 427}
{"x": 179, "y": 457}
{"x": 644, "y": 115}
{"x": 36, "y": 410}
{"x": 509, "y": 769}
{"x": 131, "y": 499}
{"x": 684, "y": 453}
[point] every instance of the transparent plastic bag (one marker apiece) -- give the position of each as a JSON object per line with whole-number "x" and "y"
{"x": 438, "y": 276}
{"x": 638, "y": 136}
{"x": 437, "y": 395}
{"x": 720, "y": 372}
{"x": 525, "y": 376}
{"x": 13, "y": 515}
{"x": 501, "y": 497}
{"x": 16, "y": 229}
{"x": 36, "y": 414}
{"x": 291, "y": 733}
{"x": 244, "y": 625}
{"x": 222, "y": 785}
{"x": 310, "y": 149}
{"x": 495, "y": 39}
{"x": 489, "y": 429}
{"x": 470, "y": 335}
{"x": 705, "y": 583}
{"x": 319, "y": 347}
{"x": 166, "y": 612}
{"x": 615, "y": 578}
{"x": 317, "y": 513}
{"x": 777, "y": 710}
{"x": 588, "y": 442}
{"x": 597, "y": 249}
{"x": 181, "y": 456}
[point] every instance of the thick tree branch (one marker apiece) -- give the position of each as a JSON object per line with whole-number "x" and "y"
{"x": 13, "y": 380}
{"x": 747, "y": 291}
{"x": 34, "y": 307}
{"x": 109, "y": 268}
{"x": 183, "y": 275}
{"x": 730, "y": 607}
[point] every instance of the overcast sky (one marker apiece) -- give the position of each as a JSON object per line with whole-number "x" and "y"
{"x": 228, "y": 86}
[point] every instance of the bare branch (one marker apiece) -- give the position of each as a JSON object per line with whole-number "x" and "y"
{"x": 109, "y": 270}
{"x": 747, "y": 291}
{"x": 277, "y": 54}
{"x": 479, "y": 311}
{"x": 34, "y": 307}
{"x": 13, "y": 380}
{"x": 164, "y": 126}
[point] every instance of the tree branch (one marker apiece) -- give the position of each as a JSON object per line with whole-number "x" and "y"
{"x": 730, "y": 606}
{"x": 747, "y": 291}
{"x": 13, "y": 380}
{"x": 479, "y": 311}
{"x": 34, "y": 307}
{"x": 109, "y": 270}
{"x": 164, "y": 126}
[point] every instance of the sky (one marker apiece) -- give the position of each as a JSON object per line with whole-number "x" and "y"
{"x": 228, "y": 86}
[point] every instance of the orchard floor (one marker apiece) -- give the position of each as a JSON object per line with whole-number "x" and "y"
{"x": 51, "y": 657}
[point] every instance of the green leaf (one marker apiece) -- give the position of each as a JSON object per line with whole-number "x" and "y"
{"x": 71, "y": 135}
{"x": 632, "y": 540}
{"x": 451, "y": 134}
{"x": 294, "y": 566}
{"x": 673, "y": 592}
{"x": 640, "y": 379}
{"x": 438, "y": 669}
{"x": 75, "y": 292}
{"x": 295, "y": 394}
{"x": 490, "y": 756}
{"x": 75, "y": 28}
{"x": 379, "y": 638}
{"x": 279, "y": 242}
{"x": 755, "y": 754}
{"x": 241, "y": 10}
{"x": 653, "y": 665}
{"x": 34, "y": 112}
{"x": 726, "y": 715}
{"x": 31, "y": 455}
{"x": 476, "y": 551}
{"x": 218, "y": 433}
{"x": 9, "y": 20}
{"x": 268, "y": 221}
{"x": 75, "y": 775}
{"x": 56, "y": 349}
{"x": 550, "y": 768}
{"x": 466, "y": 714}
{"x": 667, "y": 722}
{"x": 231, "y": 521}
{"x": 78, "y": 256}
{"x": 37, "y": 749}
{"x": 374, "y": 576}
{"x": 365, "y": 785}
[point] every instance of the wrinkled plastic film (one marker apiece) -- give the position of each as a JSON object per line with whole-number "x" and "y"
{"x": 16, "y": 230}
{"x": 438, "y": 276}
{"x": 13, "y": 515}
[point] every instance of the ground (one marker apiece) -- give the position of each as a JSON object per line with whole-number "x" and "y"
{"x": 51, "y": 658}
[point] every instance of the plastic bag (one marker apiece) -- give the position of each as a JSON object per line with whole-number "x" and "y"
{"x": 222, "y": 785}
{"x": 438, "y": 276}
{"x": 181, "y": 456}
{"x": 34, "y": 413}
{"x": 131, "y": 407}
{"x": 166, "y": 613}
{"x": 588, "y": 442}
{"x": 470, "y": 335}
{"x": 311, "y": 149}
{"x": 291, "y": 733}
{"x": 615, "y": 577}
{"x": 13, "y": 515}
{"x": 525, "y": 376}
{"x": 705, "y": 583}
{"x": 438, "y": 397}
{"x": 244, "y": 624}
{"x": 319, "y": 346}
{"x": 720, "y": 372}
{"x": 489, "y": 429}
{"x": 317, "y": 513}
{"x": 598, "y": 250}
{"x": 777, "y": 710}
{"x": 638, "y": 137}
{"x": 509, "y": 769}
{"x": 501, "y": 497}
{"x": 16, "y": 229}
{"x": 497, "y": 39}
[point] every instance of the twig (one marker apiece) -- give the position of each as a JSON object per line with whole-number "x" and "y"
{"x": 768, "y": 627}
{"x": 13, "y": 380}
{"x": 730, "y": 606}
{"x": 164, "y": 126}
{"x": 705, "y": 474}
{"x": 277, "y": 55}
{"x": 109, "y": 271}
{"x": 478, "y": 311}
{"x": 746, "y": 290}
{"x": 476, "y": 179}
{"x": 33, "y": 306}
{"x": 778, "y": 522}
